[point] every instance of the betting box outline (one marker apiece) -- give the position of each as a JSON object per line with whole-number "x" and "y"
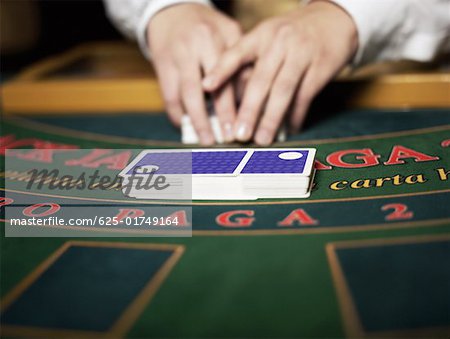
{"x": 352, "y": 323}
{"x": 125, "y": 320}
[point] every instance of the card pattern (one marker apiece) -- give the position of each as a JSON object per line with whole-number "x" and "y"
{"x": 272, "y": 162}
{"x": 192, "y": 162}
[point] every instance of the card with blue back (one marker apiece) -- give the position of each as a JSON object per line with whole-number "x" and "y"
{"x": 224, "y": 162}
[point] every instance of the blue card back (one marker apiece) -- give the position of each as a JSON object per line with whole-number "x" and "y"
{"x": 209, "y": 162}
{"x": 277, "y": 161}
{"x": 224, "y": 162}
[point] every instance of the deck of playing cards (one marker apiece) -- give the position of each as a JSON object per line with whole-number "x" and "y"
{"x": 220, "y": 174}
{"x": 189, "y": 135}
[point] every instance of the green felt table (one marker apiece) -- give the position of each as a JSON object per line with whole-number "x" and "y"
{"x": 366, "y": 255}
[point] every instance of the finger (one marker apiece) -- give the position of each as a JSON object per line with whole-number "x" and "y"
{"x": 280, "y": 98}
{"x": 193, "y": 99}
{"x": 212, "y": 47}
{"x": 314, "y": 80}
{"x": 170, "y": 87}
{"x": 231, "y": 61}
{"x": 223, "y": 98}
{"x": 225, "y": 106}
{"x": 241, "y": 82}
{"x": 256, "y": 94}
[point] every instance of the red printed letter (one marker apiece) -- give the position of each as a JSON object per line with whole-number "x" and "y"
{"x": 224, "y": 219}
{"x": 6, "y": 201}
{"x": 129, "y": 213}
{"x": 368, "y": 158}
{"x": 300, "y": 216}
{"x": 53, "y": 208}
{"x": 401, "y": 152}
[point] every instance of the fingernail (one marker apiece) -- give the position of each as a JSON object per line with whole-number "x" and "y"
{"x": 242, "y": 132}
{"x": 228, "y": 132}
{"x": 208, "y": 82}
{"x": 263, "y": 138}
{"x": 206, "y": 138}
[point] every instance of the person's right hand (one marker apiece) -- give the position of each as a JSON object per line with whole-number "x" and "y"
{"x": 185, "y": 42}
{"x": 294, "y": 56}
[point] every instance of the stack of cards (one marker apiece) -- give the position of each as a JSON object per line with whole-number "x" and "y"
{"x": 189, "y": 136}
{"x": 220, "y": 174}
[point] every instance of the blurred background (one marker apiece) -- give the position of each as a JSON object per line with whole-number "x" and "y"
{"x": 33, "y": 29}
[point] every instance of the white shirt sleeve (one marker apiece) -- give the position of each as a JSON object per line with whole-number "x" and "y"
{"x": 399, "y": 29}
{"x": 131, "y": 17}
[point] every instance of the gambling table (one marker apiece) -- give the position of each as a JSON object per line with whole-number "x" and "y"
{"x": 365, "y": 256}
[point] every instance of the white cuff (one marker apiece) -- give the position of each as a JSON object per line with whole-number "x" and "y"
{"x": 400, "y": 29}
{"x": 372, "y": 20}
{"x": 152, "y": 9}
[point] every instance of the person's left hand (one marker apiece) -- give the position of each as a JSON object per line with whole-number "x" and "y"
{"x": 294, "y": 56}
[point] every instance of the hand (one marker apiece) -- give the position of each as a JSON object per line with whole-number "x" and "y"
{"x": 294, "y": 56}
{"x": 186, "y": 41}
